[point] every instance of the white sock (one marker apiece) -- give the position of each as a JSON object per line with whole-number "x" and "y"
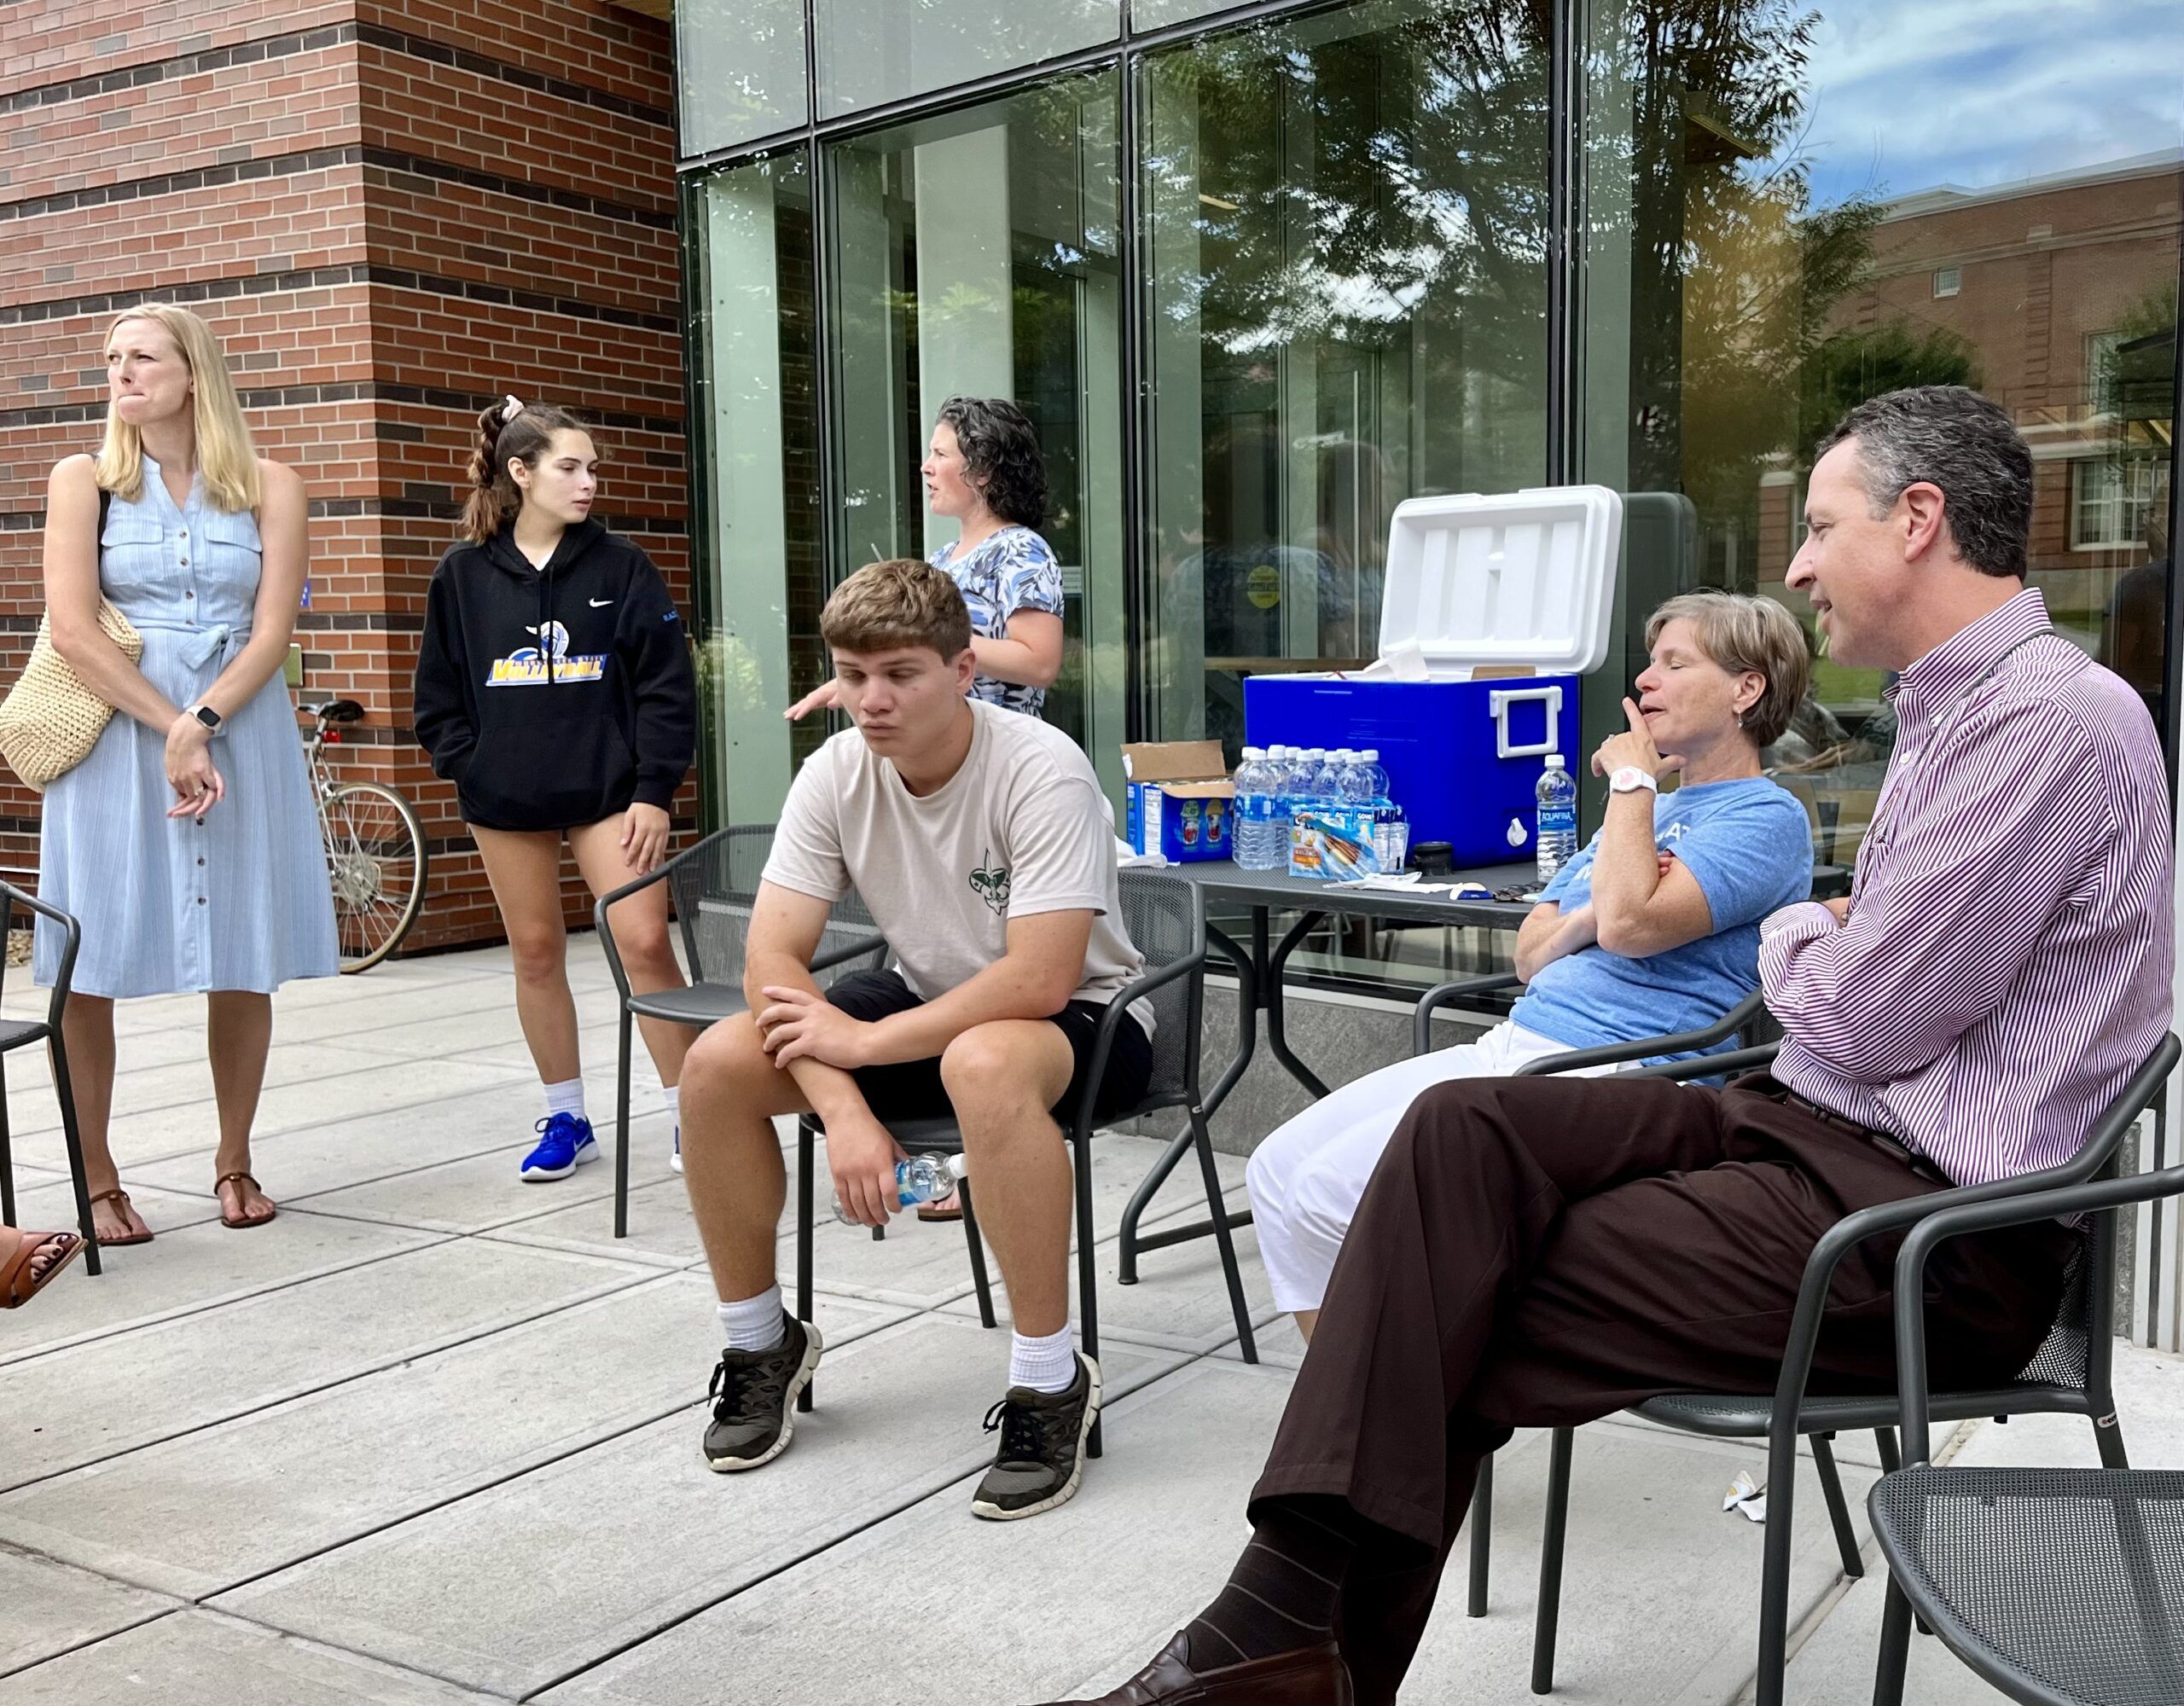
{"x": 1045, "y": 1365}
{"x": 674, "y": 1100}
{"x": 754, "y": 1323}
{"x": 565, "y": 1098}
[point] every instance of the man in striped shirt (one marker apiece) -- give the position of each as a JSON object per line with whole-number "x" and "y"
{"x": 1539, "y": 1252}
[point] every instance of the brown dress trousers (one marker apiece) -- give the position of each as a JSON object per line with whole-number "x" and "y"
{"x": 1537, "y": 1252}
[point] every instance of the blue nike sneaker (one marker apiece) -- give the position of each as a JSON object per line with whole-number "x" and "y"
{"x": 567, "y": 1144}
{"x": 676, "y": 1159}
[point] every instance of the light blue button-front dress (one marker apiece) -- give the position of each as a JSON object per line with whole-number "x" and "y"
{"x": 238, "y": 899}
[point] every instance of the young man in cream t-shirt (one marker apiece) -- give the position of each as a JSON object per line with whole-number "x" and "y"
{"x": 978, "y": 839}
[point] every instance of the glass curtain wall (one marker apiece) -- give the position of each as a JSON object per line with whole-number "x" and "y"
{"x": 1781, "y": 224}
{"x": 1343, "y": 255}
{"x": 756, "y": 403}
{"x": 1337, "y": 297}
{"x": 871, "y": 52}
{"x": 976, "y": 254}
{"x": 740, "y": 70}
{"x": 1344, "y": 260}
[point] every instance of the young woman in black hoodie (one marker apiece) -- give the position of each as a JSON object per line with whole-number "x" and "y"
{"x": 554, "y": 690}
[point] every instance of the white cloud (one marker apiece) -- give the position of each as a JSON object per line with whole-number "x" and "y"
{"x": 1979, "y": 92}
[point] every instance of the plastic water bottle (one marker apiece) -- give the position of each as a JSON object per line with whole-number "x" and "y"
{"x": 921, "y": 1179}
{"x": 1305, "y": 800}
{"x": 1278, "y": 765}
{"x": 1390, "y": 833}
{"x": 1327, "y": 786}
{"x": 1557, "y": 796}
{"x": 1372, "y": 778}
{"x": 1257, "y": 805}
{"x": 1352, "y": 785}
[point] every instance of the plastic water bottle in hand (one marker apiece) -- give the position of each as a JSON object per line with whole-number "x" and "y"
{"x": 1556, "y": 793}
{"x": 921, "y": 1179}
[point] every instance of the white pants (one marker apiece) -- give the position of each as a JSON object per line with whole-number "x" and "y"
{"x": 1307, "y": 1178}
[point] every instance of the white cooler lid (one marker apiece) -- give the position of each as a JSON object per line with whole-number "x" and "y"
{"x": 1524, "y": 578}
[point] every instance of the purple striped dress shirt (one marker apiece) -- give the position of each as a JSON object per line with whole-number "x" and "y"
{"x": 2008, "y": 960}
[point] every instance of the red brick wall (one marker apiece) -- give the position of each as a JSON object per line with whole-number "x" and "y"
{"x": 391, "y": 210}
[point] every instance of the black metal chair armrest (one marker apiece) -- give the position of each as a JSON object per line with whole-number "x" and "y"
{"x": 72, "y": 938}
{"x": 848, "y": 951}
{"x": 2020, "y": 1207}
{"x": 1711, "y": 1065}
{"x": 1103, "y": 1041}
{"x": 1422, "y": 1016}
{"x": 1643, "y": 1048}
{"x": 1886, "y": 1217}
{"x": 657, "y": 874}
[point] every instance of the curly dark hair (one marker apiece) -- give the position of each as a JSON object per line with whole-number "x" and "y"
{"x": 1000, "y": 454}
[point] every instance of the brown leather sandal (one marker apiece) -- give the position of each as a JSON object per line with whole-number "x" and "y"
{"x": 18, "y": 1285}
{"x": 121, "y": 1196}
{"x": 243, "y": 1225}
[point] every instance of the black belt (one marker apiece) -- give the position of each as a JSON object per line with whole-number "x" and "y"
{"x": 1881, "y": 1140}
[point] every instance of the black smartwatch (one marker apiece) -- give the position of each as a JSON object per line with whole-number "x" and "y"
{"x": 205, "y": 714}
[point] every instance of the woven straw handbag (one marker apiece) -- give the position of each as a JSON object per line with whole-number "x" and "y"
{"x": 50, "y": 721}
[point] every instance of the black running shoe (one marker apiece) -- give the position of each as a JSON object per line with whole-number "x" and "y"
{"x": 754, "y": 1398}
{"x": 1041, "y": 1456}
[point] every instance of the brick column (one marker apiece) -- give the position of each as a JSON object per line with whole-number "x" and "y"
{"x": 390, "y": 211}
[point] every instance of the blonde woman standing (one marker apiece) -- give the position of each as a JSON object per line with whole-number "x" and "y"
{"x": 185, "y": 843}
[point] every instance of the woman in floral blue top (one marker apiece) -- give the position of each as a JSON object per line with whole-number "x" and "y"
{"x": 983, "y": 470}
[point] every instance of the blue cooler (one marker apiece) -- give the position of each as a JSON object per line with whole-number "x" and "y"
{"x": 1494, "y": 607}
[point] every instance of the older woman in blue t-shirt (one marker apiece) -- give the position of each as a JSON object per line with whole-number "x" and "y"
{"x": 1653, "y": 929}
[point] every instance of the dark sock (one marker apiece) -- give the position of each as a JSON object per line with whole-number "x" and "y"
{"x": 1282, "y": 1594}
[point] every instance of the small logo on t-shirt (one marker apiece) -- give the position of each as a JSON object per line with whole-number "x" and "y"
{"x": 990, "y": 883}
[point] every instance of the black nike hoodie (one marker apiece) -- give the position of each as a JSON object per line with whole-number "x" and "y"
{"x": 554, "y": 697}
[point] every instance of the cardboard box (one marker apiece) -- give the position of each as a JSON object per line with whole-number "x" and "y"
{"x": 1180, "y": 800}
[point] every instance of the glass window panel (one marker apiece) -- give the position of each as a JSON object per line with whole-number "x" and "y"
{"x": 874, "y": 51}
{"x": 1158, "y": 14}
{"x": 757, "y": 524}
{"x": 1774, "y": 236}
{"x": 739, "y": 69}
{"x": 978, "y": 255}
{"x": 1345, "y": 253}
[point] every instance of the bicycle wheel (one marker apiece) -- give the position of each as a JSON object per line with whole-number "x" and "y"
{"x": 376, "y": 861}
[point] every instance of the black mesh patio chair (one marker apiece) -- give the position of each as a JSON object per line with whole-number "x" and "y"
{"x": 20, "y": 1033}
{"x": 1745, "y": 1021}
{"x": 1166, "y": 921}
{"x": 2059, "y": 1587}
{"x": 711, "y": 886}
{"x": 2072, "y": 1374}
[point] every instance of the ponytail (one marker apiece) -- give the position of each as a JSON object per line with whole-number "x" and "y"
{"x": 507, "y": 431}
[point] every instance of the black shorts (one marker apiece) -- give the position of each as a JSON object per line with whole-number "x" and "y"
{"x": 911, "y": 1089}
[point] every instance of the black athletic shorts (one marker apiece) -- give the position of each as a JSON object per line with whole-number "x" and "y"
{"x": 911, "y": 1089}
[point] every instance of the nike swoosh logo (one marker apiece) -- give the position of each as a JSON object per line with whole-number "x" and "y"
{"x": 601, "y": 603}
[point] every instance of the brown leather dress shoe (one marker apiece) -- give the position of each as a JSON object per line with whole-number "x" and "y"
{"x": 1309, "y": 1676}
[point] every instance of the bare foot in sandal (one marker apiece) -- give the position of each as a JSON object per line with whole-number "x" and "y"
{"x": 29, "y": 1259}
{"x": 241, "y": 1203}
{"x": 114, "y": 1220}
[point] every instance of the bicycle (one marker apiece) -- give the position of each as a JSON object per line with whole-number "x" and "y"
{"x": 375, "y": 855}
